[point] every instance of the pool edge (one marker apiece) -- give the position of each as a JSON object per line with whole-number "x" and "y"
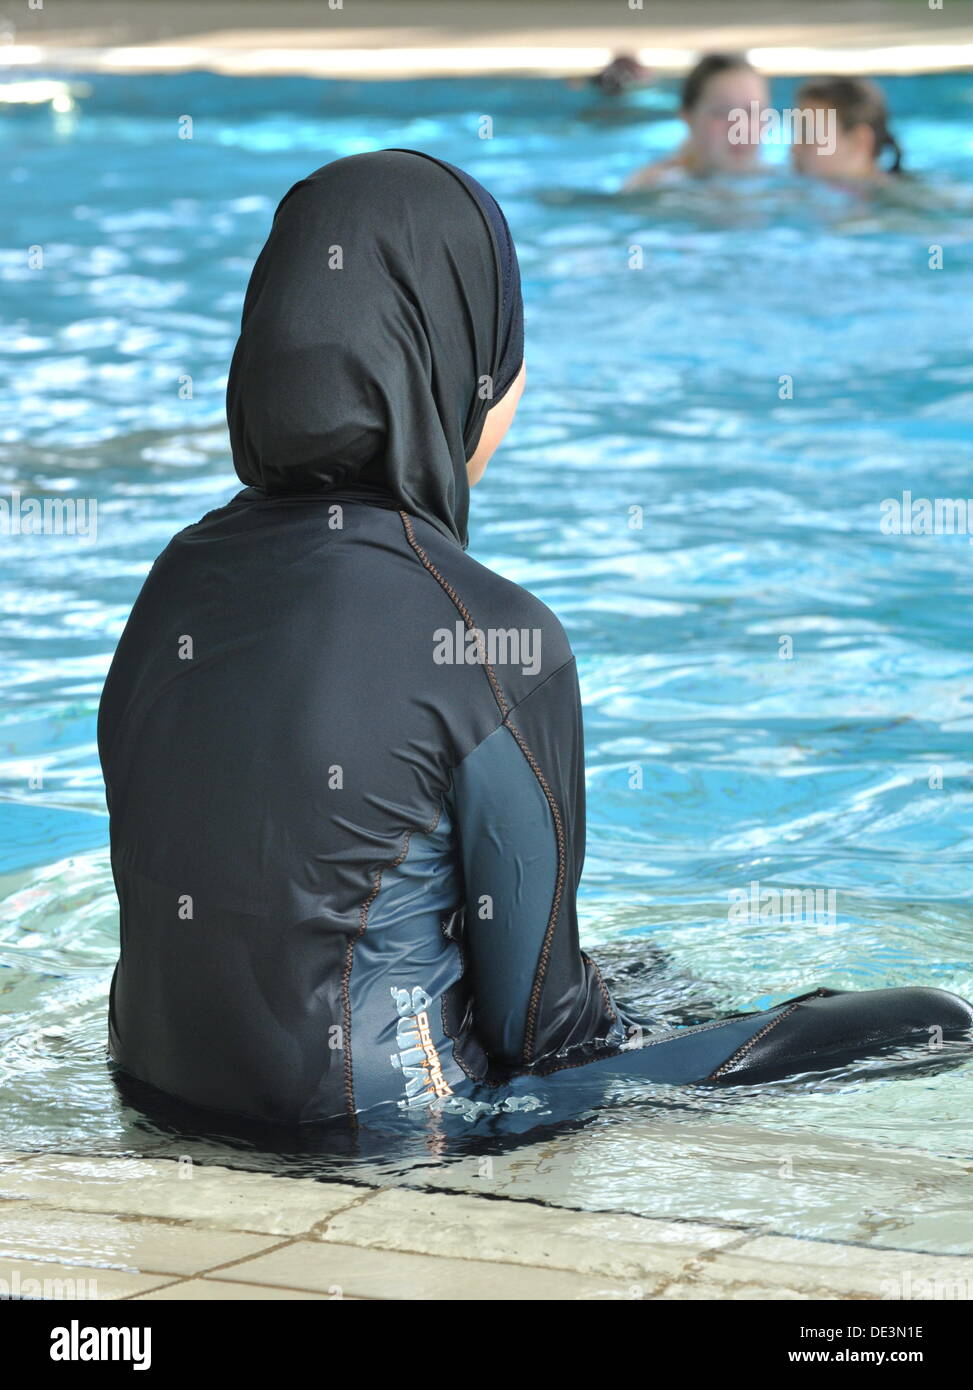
{"x": 168, "y": 1229}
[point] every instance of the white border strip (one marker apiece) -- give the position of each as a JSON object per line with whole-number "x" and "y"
{"x": 469, "y": 60}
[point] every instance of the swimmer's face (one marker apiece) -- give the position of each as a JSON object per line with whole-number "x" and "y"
{"x": 495, "y": 426}
{"x": 826, "y": 151}
{"x": 722, "y": 141}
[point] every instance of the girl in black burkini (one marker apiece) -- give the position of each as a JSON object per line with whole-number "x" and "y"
{"x": 344, "y": 761}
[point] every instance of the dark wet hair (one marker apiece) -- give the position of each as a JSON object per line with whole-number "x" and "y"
{"x": 856, "y": 102}
{"x": 710, "y": 65}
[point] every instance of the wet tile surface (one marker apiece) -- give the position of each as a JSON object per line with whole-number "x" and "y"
{"x": 134, "y": 1229}
{"x": 220, "y": 1197}
{"x": 116, "y": 1242}
{"x": 341, "y": 1270}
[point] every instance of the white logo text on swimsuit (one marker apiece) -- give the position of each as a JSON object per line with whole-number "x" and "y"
{"x": 417, "y": 1057}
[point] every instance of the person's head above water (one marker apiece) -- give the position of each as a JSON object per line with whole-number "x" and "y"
{"x": 860, "y": 133}
{"x": 381, "y": 345}
{"x": 720, "y": 85}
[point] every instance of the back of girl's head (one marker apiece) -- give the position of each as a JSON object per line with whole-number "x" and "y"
{"x": 855, "y": 101}
{"x": 709, "y": 66}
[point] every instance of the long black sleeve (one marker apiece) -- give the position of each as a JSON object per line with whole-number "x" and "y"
{"x": 519, "y": 806}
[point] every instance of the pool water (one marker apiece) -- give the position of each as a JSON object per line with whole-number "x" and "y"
{"x": 776, "y": 691}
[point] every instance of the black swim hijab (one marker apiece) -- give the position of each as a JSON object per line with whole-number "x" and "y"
{"x": 512, "y": 328}
{"x": 382, "y": 321}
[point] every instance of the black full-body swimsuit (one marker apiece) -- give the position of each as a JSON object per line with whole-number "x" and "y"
{"x": 344, "y": 761}
{"x": 347, "y": 868}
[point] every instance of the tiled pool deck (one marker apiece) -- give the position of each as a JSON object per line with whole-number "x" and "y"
{"x": 129, "y": 1228}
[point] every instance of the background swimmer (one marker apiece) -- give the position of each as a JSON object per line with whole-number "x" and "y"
{"x": 622, "y": 74}
{"x": 859, "y": 135}
{"x": 719, "y": 84}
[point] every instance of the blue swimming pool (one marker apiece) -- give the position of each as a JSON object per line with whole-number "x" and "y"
{"x": 778, "y": 692}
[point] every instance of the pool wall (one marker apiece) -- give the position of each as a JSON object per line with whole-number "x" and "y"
{"x": 577, "y": 37}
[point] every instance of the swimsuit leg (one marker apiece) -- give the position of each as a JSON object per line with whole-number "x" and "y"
{"x": 816, "y": 1031}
